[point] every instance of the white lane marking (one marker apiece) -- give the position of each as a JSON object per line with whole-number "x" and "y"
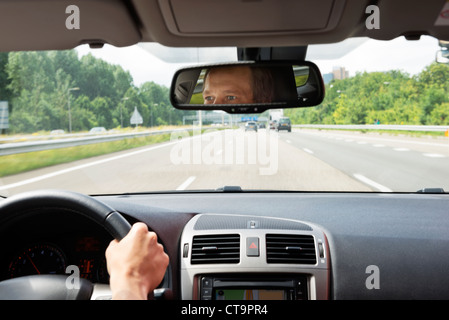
{"x": 362, "y": 142}
{"x": 86, "y": 165}
{"x": 186, "y": 183}
{"x": 372, "y": 183}
{"x": 434, "y": 155}
{"x": 436, "y": 144}
{"x": 288, "y": 141}
{"x": 308, "y": 150}
{"x": 401, "y": 149}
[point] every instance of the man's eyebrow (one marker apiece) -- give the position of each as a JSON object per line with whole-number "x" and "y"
{"x": 228, "y": 91}
{"x": 232, "y": 91}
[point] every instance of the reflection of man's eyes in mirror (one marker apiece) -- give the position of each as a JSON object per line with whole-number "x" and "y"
{"x": 209, "y": 99}
{"x": 228, "y": 85}
{"x": 212, "y": 99}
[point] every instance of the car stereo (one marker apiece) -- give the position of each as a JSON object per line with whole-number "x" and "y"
{"x": 252, "y": 287}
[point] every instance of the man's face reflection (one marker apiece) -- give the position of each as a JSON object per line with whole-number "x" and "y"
{"x": 228, "y": 85}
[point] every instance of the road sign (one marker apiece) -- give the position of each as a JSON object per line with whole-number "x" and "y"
{"x": 246, "y": 119}
{"x": 4, "y": 115}
{"x": 136, "y": 118}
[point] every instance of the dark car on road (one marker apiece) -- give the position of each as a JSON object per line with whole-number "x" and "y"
{"x": 251, "y": 126}
{"x": 284, "y": 124}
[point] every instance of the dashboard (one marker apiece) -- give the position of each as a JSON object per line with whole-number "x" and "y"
{"x": 404, "y": 235}
{"x": 258, "y": 245}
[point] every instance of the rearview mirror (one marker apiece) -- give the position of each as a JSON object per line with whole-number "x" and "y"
{"x": 442, "y": 55}
{"x": 247, "y": 87}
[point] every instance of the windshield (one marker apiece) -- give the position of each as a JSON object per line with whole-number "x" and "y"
{"x": 100, "y": 122}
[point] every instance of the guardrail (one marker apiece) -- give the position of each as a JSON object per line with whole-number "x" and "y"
{"x": 375, "y": 127}
{"x": 30, "y": 146}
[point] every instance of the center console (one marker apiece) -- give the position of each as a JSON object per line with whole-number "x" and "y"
{"x": 229, "y": 257}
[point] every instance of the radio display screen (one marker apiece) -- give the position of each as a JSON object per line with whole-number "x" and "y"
{"x": 253, "y": 287}
{"x": 249, "y": 294}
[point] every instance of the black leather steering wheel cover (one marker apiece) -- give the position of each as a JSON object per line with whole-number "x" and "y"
{"x": 86, "y": 206}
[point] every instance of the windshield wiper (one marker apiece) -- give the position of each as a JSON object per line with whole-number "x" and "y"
{"x": 230, "y": 189}
{"x": 431, "y": 190}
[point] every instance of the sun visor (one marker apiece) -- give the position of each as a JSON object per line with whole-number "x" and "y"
{"x": 250, "y": 16}
{"x": 65, "y": 24}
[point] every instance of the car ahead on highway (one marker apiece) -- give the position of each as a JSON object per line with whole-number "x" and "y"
{"x": 339, "y": 209}
{"x": 97, "y": 130}
{"x": 251, "y": 126}
{"x": 284, "y": 124}
{"x": 57, "y": 131}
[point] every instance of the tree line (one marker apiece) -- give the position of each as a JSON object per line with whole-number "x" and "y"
{"x": 40, "y": 87}
{"x": 392, "y": 97}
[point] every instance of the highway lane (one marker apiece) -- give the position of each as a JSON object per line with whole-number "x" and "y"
{"x": 233, "y": 157}
{"x": 383, "y": 162}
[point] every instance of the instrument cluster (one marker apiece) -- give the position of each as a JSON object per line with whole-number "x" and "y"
{"x": 55, "y": 255}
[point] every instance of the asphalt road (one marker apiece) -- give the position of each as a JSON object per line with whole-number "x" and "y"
{"x": 384, "y": 162}
{"x": 307, "y": 160}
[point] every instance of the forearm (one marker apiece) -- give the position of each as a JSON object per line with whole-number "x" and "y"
{"x": 128, "y": 289}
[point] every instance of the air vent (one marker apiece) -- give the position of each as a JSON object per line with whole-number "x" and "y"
{"x": 222, "y": 248}
{"x": 287, "y": 248}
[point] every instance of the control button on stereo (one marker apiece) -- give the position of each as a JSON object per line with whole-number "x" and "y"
{"x": 206, "y": 283}
{"x": 206, "y": 288}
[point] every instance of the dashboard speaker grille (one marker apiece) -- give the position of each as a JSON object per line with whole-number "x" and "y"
{"x": 222, "y": 222}
{"x": 221, "y": 248}
{"x": 289, "y": 248}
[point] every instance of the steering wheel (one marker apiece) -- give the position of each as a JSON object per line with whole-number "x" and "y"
{"x": 53, "y": 287}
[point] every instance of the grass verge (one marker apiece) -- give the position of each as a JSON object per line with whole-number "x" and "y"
{"x": 22, "y": 162}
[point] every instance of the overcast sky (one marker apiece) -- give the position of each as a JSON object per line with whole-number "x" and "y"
{"x": 371, "y": 55}
{"x": 366, "y": 55}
